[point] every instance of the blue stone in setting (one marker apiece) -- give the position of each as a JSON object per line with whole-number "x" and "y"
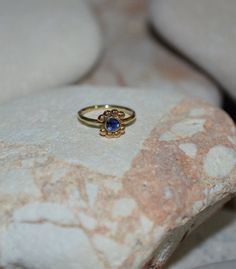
{"x": 112, "y": 125}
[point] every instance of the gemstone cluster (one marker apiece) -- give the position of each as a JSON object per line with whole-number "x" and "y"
{"x": 112, "y": 123}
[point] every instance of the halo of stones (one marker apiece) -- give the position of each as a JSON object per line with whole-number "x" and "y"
{"x": 112, "y": 125}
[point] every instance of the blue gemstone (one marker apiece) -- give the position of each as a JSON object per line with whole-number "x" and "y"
{"x": 112, "y": 125}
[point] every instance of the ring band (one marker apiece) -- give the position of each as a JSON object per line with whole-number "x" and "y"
{"x": 112, "y": 121}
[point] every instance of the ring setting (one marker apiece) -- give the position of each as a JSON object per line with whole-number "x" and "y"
{"x": 112, "y": 122}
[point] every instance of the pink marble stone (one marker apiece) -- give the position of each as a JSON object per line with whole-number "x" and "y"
{"x": 71, "y": 198}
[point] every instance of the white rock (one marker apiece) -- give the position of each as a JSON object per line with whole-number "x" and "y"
{"x": 220, "y": 265}
{"x": 73, "y": 199}
{"x": 134, "y": 58}
{"x": 124, "y": 207}
{"x": 219, "y": 161}
{"x": 189, "y": 149}
{"x": 204, "y": 31}
{"x": 210, "y": 243}
{"x": 40, "y": 244}
{"x": 185, "y": 128}
{"x": 45, "y": 43}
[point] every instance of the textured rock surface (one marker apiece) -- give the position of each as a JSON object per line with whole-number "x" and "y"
{"x": 134, "y": 58}
{"x": 73, "y": 199}
{"x": 212, "y": 242}
{"x": 45, "y": 43}
{"x": 203, "y": 30}
{"x": 221, "y": 265}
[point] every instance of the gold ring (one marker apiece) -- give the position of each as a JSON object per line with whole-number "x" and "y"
{"x": 112, "y": 121}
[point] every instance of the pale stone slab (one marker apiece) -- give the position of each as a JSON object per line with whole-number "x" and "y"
{"x": 45, "y": 43}
{"x": 132, "y": 57}
{"x": 202, "y": 30}
{"x": 212, "y": 242}
{"x": 222, "y": 265}
{"x": 71, "y": 198}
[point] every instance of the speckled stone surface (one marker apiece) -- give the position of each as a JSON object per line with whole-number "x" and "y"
{"x": 73, "y": 199}
{"x": 212, "y": 242}
{"x": 132, "y": 57}
{"x": 202, "y": 30}
{"x": 44, "y": 44}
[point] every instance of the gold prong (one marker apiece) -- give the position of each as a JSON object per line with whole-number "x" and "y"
{"x": 114, "y": 111}
{"x": 103, "y": 132}
{"x": 107, "y": 112}
{"x": 121, "y": 114}
{"x": 109, "y": 134}
{"x": 101, "y": 118}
